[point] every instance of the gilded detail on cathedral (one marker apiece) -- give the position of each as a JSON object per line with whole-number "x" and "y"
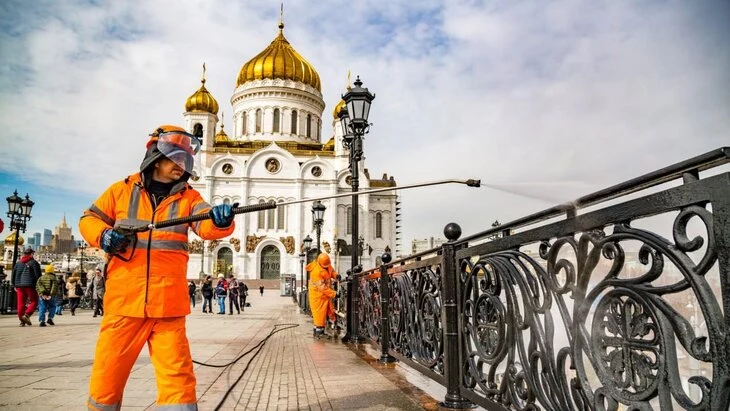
{"x": 288, "y": 244}
{"x": 252, "y": 241}
{"x": 236, "y": 243}
{"x": 213, "y": 244}
{"x": 196, "y": 246}
{"x": 327, "y": 247}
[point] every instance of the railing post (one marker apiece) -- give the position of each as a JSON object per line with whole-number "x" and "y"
{"x": 353, "y": 307}
{"x": 450, "y": 319}
{"x": 385, "y": 356}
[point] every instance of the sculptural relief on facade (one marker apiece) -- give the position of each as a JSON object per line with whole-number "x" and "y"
{"x": 288, "y": 244}
{"x": 213, "y": 244}
{"x": 196, "y": 246}
{"x": 326, "y": 246}
{"x": 252, "y": 241}
{"x": 236, "y": 243}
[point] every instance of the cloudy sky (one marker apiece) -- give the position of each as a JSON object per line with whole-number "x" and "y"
{"x": 552, "y": 99}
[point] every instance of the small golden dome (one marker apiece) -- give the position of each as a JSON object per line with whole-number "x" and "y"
{"x": 202, "y": 100}
{"x": 338, "y": 107}
{"x": 221, "y": 136}
{"x": 281, "y": 61}
{"x": 11, "y": 239}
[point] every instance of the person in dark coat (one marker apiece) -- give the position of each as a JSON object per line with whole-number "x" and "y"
{"x": 206, "y": 288}
{"x": 243, "y": 293}
{"x": 26, "y": 273}
{"x": 61, "y": 295}
{"x": 191, "y": 292}
{"x": 96, "y": 290}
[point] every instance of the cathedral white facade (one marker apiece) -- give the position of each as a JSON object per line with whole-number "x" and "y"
{"x": 283, "y": 147}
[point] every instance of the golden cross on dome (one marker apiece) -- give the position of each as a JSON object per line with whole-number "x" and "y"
{"x": 281, "y": 17}
{"x": 203, "y": 79}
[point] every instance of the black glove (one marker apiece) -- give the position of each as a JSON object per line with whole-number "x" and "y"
{"x": 114, "y": 242}
{"x": 222, "y": 215}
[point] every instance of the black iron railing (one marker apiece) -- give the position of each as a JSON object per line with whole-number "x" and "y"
{"x": 623, "y": 306}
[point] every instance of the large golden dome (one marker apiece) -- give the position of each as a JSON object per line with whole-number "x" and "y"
{"x": 202, "y": 100}
{"x": 281, "y": 61}
{"x": 11, "y": 239}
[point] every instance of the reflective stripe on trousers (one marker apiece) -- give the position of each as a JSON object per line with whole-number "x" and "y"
{"x": 120, "y": 341}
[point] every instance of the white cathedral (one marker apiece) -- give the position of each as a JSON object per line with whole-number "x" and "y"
{"x": 277, "y": 150}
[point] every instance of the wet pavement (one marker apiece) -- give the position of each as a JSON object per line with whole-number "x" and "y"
{"x": 48, "y": 368}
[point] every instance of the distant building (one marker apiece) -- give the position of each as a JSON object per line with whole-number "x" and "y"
{"x": 418, "y": 246}
{"x": 37, "y": 240}
{"x": 47, "y": 237}
{"x": 63, "y": 240}
{"x": 31, "y": 242}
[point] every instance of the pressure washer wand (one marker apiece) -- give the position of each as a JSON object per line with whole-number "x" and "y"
{"x": 272, "y": 204}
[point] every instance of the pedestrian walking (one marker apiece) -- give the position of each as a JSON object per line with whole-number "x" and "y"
{"x": 242, "y": 294}
{"x": 206, "y": 288}
{"x": 75, "y": 292}
{"x": 233, "y": 293}
{"x": 321, "y": 277}
{"x": 62, "y": 295}
{"x": 47, "y": 288}
{"x": 191, "y": 291}
{"x": 221, "y": 290}
{"x": 146, "y": 272}
{"x": 25, "y": 274}
{"x": 96, "y": 290}
{"x": 261, "y": 289}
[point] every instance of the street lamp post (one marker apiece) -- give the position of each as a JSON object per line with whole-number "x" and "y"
{"x": 354, "y": 122}
{"x": 304, "y": 301}
{"x": 19, "y": 214}
{"x": 202, "y": 259}
{"x": 82, "y": 247}
{"x": 318, "y": 218}
{"x": 361, "y": 247}
{"x": 301, "y": 270}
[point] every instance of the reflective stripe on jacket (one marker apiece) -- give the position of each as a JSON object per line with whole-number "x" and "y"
{"x": 153, "y": 283}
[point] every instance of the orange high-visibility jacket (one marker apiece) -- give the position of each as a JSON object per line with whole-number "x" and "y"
{"x": 153, "y": 283}
{"x": 321, "y": 293}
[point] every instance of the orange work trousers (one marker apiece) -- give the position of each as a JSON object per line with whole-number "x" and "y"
{"x": 120, "y": 342}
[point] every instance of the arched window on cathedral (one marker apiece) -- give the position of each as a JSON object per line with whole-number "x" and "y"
{"x": 349, "y": 220}
{"x": 261, "y": 216}
{"x": 259, "y": 120}
{"x": 378, "y": 225}
{"x": 270, "y": 219}
{"x": 280, "y": 216}
{"x": 319, "y": 128}
{"x": 294, "y": 115}
{"x": 277, "y": 121}
{"x": 198, "y": 131}
{"x": 309, "y": 125}
{"x": 244, "y": 129}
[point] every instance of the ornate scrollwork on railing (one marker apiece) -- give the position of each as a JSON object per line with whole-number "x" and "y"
{"x": 370, "y": 308}
{"x": 574, "y": 329}
{"x": 415, "y": 317}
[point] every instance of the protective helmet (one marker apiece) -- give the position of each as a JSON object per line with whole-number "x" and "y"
{"x": 173, "y": 143}
{"x": 324, "y": 260}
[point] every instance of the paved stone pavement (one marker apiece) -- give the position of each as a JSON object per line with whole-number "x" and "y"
{"x": 48, "y": 368}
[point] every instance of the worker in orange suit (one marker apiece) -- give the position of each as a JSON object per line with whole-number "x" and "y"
{"x": 321, "y": 278}
{"x": 146, "y": 297}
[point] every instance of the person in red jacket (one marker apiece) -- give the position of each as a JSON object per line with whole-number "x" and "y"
{"x": 146, "y": 298}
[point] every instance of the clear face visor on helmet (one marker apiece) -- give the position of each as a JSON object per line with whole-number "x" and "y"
{"x": 180, "y": 148}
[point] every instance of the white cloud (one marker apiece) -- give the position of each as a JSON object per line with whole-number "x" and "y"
{"x": 563, "y": 98}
